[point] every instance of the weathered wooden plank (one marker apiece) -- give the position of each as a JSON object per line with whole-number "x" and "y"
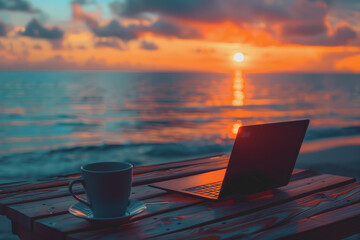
{"x": 209, "y": 212}
{"x": 64, "y": 180}
{"x": 280, "y": 218}
{"x": 36, "y": 184}
{"x": 26, "y": 213}
{"x": 9, "y": 184}
{"x": 36, "y": 195}
{"x": 24, "y": 234}
{"x": 190, "y": 162}
{"x": 335, "y": 224}
{"x": 40, "y": 194}
{"x": 56, "y": 227}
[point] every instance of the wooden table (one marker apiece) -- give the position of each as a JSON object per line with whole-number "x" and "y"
{"x": 311, "y": 206}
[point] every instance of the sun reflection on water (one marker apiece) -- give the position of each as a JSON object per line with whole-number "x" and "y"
{"x": 236, "y": 127}
{"x": 238, "y": 89}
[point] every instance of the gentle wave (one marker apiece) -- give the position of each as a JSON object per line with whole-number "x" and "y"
{"x": 53, "y": 122}
{"x": 67, "y": 160}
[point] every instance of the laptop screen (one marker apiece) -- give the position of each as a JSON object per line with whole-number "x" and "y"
{"x": 263, "y": 156}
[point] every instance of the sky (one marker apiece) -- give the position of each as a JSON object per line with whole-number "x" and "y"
{"x": 180, "y": 35}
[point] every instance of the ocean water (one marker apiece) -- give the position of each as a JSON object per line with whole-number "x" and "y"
{"x": 51, "y": 123}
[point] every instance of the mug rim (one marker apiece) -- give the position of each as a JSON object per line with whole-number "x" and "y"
{"x": 83, "y": 168}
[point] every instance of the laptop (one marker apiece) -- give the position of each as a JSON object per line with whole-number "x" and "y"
{"x": 263, "y": 157}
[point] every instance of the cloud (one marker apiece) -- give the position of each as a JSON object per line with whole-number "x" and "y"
{"x": 237, "y": 11}
{"x": 288, "y": 21}
{"x": 3, "y": 29}
{"x": 18, "y": 5}
{"x": 82, "y": 47}
{"x": 37, "y": 47}
{"x": 2, "y": 47}
{"x": 35, "y": 29}
{"x": 132, "y": 31}
{"x": 83, "y": 2}
{"x": 148, "y": 46}
{"x": 342, "y": 35}
{"x": 308, "y": 18}
{"x": 111, "y": 43}
{"x": 171, "y": 29}
{"x": 25, "y": 53}
{"x": 90, "y": 18}
{"x": 304, "y": 29}
{"x": 56, "y": 59}
{"x": 115, "y": 29}
{"x": 174, "y": 8}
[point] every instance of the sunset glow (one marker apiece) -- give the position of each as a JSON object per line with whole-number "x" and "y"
{"x": 120, "y": 35}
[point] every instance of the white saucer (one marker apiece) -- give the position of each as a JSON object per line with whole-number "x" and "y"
{"x": 83, "y": 211}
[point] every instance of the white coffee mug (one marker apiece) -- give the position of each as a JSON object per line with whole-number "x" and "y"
{"x": 107, "y": 186}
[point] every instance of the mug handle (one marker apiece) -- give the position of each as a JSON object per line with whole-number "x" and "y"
{"x": 79, "y": 180}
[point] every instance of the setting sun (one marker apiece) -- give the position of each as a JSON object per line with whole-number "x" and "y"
{"x": 239, "y": 57}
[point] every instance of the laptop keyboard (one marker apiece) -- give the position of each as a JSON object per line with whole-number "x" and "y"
{"x": 209, "y": 189}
